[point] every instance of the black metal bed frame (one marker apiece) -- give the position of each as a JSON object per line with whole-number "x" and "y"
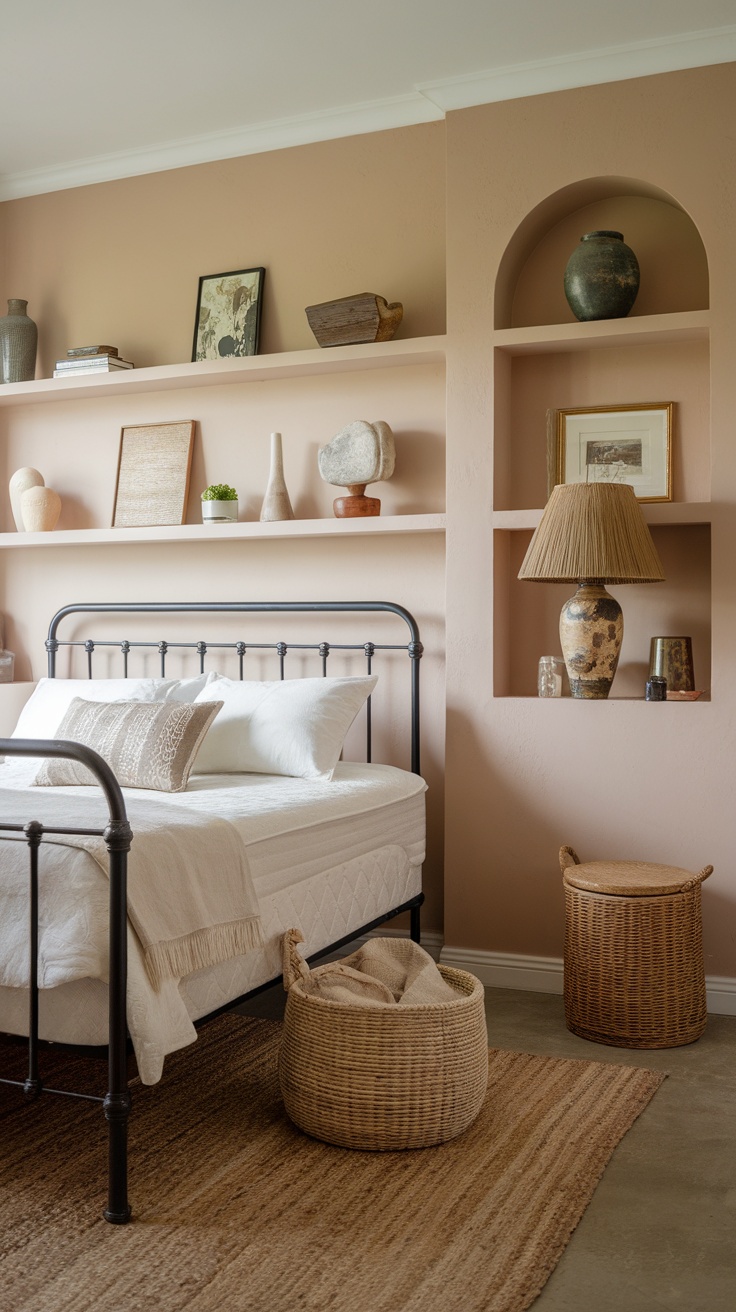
{"x": 118, "y": 836}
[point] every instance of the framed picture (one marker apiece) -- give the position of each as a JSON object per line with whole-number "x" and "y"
{"x": 614, "y": 444}
{"x": 153, "y": 474}
{"x": 228, "y": 319}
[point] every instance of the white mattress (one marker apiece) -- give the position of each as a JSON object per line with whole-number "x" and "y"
{"x": 327, "y": 858}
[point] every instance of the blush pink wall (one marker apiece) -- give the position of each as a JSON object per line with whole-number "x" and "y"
{"x": 521, "y": 776}
{"x": 119, "y": 263}
{"x": 615, "y": 778}
{"x": 121, "y": 260}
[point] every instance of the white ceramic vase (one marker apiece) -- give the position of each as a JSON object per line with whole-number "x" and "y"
{"x": 40, "y": 508}
{"x": 20, "y": 482}
{"x": 276, "y": 503}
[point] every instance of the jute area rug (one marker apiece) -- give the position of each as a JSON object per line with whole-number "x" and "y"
{"x": 236, "y": 1209}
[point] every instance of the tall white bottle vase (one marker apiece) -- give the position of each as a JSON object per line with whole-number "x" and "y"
{"x": 21, "y": 480}
{"x": 276, "y": 503}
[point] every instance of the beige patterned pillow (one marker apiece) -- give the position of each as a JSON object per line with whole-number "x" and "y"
{"x": 147, "y": 744}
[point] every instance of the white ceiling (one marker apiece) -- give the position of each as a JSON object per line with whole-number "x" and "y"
{"x": 92, "y": 91}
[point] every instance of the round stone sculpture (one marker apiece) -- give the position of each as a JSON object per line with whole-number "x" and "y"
{"x": 361, "y": 453}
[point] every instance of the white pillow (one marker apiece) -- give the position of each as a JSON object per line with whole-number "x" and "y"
{"x": 51, "y": 698}
{"x": 291, "y": 726}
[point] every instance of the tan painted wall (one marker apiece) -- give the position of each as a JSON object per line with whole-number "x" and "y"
{"x": 121, "y": 260}
{"x": 617, "y": 778}
{"x": 522, "y": 776}
{"x": 119, "y": 263}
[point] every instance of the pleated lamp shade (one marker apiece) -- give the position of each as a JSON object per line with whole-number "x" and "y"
{"x": 592, "y": 531}
{"x": 592, "y": 534}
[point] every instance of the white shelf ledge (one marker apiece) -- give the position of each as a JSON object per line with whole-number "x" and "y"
{"x": 655, "y": 513}
{"x": 215, "y": 373}
{"x": 240, "y": 532}
{"x": 687, "y": 326}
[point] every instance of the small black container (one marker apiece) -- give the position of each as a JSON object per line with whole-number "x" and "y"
{"x": 656, "y": 690}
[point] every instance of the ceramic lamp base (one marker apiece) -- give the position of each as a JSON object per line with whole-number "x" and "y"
{"x": 591, "y": 632}
{"x": 357, "y": 505}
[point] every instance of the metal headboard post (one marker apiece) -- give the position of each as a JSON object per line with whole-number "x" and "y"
{"x": 414, "y": 647}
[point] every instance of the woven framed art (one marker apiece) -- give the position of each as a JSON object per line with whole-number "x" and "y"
{"x": 153, "y": 474}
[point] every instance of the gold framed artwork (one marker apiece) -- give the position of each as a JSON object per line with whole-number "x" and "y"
{"x": 153, "y": 474}
{"x": 614, "y": 444}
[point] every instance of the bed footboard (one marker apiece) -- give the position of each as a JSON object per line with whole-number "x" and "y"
{"x": 117, "y": 836}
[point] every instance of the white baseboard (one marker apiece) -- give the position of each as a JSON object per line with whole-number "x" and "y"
{"x": 721, "y": 993}
{"x": 507, "y": 970}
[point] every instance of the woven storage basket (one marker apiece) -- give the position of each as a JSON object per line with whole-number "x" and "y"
{"x": 634, "y": 968}
{"x": 383, "y": 1077}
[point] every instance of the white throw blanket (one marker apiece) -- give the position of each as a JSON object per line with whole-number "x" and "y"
{"x": 191, "y": 901}
{"x": 384, "y": 972}
{"x": 264, "y": 811}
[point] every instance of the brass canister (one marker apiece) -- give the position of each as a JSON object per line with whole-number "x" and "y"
{"x": 672, "y": 659}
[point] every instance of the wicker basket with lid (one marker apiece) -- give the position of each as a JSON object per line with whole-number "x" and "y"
{"x": 634, "y": 969}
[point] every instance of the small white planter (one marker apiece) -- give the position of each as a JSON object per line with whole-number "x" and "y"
{"x": 219, "y": 512}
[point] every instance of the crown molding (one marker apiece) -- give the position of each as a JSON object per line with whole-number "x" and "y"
{"x": 301, "y": 130}
{"x": 427, "y": 102}
{"x": 589, "y": 68}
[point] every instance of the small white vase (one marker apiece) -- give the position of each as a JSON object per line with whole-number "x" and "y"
{"x": 20, "y": 482}
{"x": 276, "y": 503}
{"x": 219, "y": 512}
{"x": 40, "y": 507}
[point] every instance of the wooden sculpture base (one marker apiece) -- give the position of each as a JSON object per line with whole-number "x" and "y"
{"x": 356, "y": 505}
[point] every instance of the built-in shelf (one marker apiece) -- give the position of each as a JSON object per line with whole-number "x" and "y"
{"x": 655, "y": 513}
{"x": 611, "y": 700}
{"x": 215, "y": 373}
{"x": 240, "y": 532}
{"x": 686, "y": 326}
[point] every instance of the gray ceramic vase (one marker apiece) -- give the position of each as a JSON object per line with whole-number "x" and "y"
{"x": 602, "y": 277}
{"x": 18, "y": 341}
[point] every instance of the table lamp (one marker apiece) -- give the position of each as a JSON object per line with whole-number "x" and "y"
{"x": 592, "y": 534}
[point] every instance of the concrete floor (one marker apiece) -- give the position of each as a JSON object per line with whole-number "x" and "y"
{"x": 660, "y": 1231}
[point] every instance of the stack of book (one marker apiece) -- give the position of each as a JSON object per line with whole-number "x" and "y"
{"x": 90, "y": 360}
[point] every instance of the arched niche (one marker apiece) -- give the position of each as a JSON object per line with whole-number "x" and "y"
{"x": 674, "y": 266}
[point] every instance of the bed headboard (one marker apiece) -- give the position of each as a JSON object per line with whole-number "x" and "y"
{"x": 413, "y": 647}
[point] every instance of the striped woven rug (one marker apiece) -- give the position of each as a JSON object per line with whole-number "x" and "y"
{"x": 236, "y": 1209}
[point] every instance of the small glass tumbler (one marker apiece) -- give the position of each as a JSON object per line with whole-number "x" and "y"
{"x": 549, "y": 677}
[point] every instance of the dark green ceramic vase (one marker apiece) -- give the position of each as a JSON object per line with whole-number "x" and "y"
{"x": 602, "y": 277}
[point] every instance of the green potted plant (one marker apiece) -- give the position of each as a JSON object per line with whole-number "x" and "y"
{"x": 219, "y": 504}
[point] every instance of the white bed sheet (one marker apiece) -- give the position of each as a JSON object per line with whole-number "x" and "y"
{"x": 327, "y": 857}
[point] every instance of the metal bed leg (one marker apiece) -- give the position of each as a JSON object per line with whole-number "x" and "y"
{"x": 414, "y": 924}
{"x": 32, "y": 1085}
{"x": 116, "y": 1104}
